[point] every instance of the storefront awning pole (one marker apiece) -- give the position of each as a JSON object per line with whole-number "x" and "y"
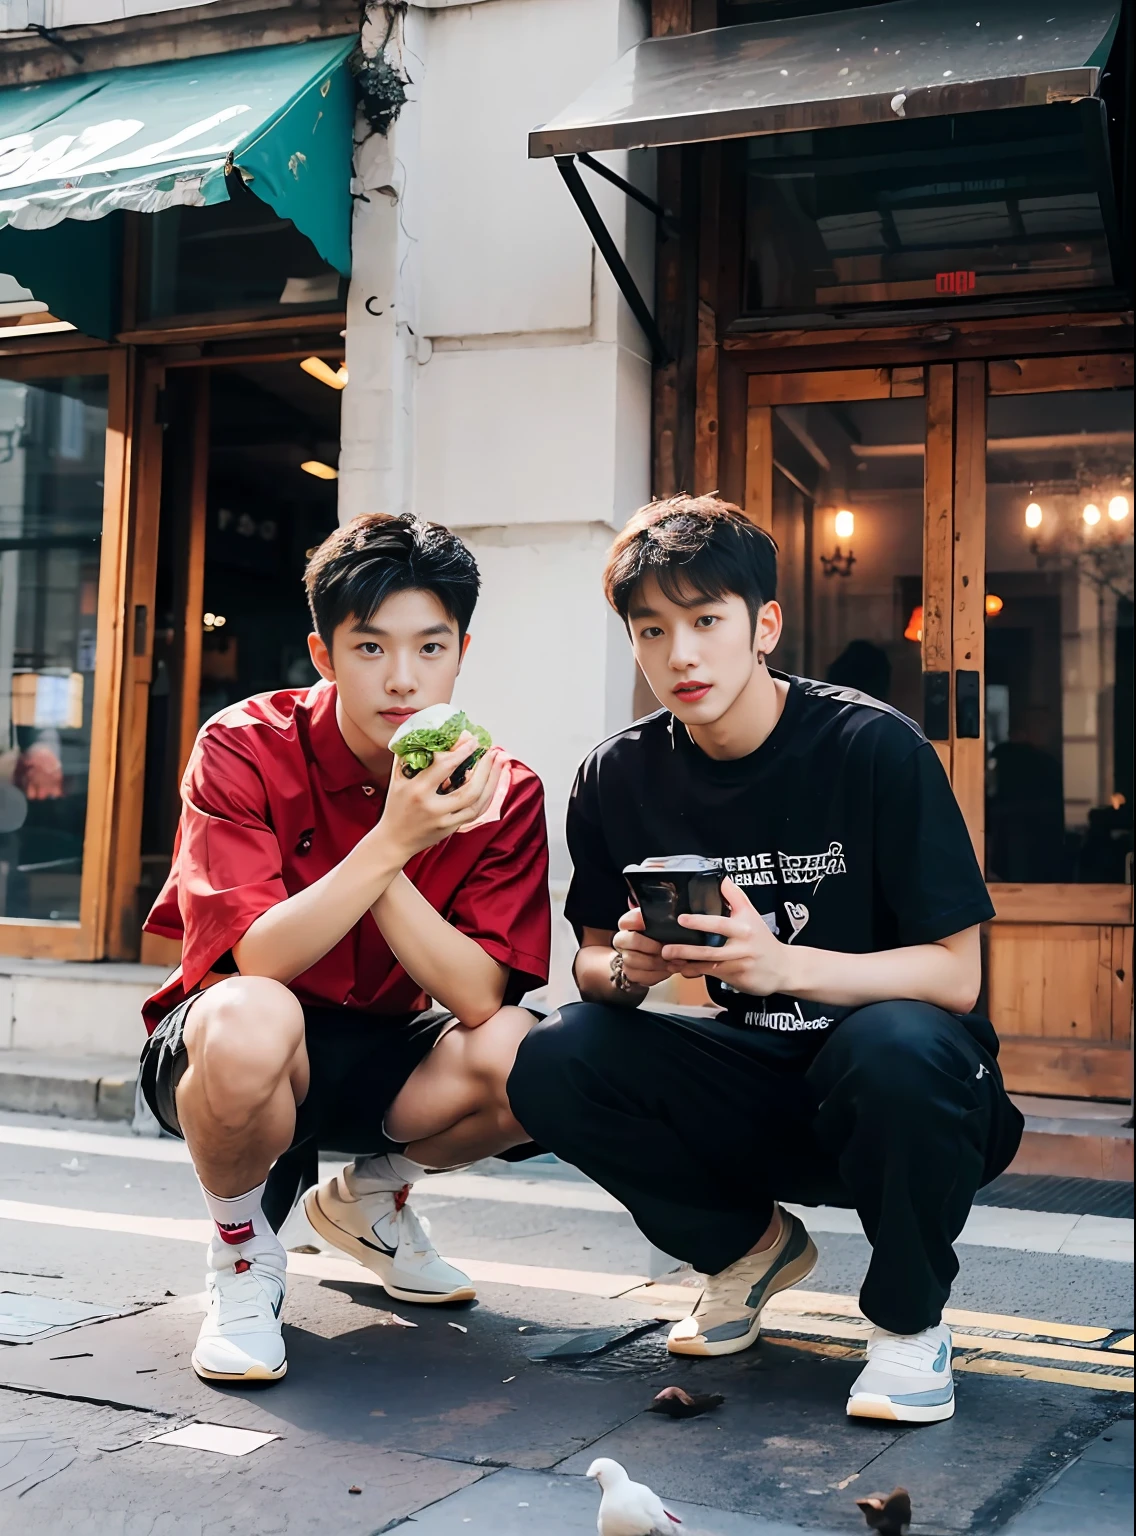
{"x": 610, "y": 251}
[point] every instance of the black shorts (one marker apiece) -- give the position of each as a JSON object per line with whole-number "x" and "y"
{"x": 359, "y": 1063}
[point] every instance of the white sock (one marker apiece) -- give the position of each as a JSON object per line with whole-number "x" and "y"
{"x": 242, "y": 1228}
{"x": 392, "y": 1170}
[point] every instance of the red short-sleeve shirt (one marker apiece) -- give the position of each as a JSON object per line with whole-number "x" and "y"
{"x": 273, "y": 798}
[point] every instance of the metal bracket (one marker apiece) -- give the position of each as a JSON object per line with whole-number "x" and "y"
{"x": 607, "y": 246}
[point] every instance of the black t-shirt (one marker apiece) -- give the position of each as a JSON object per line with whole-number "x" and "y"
{"x": 841, "y": 828}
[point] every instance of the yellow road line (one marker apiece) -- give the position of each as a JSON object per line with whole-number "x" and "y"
{"x": 1124, "y": 1345}
{"x": 1097, "y": 1383}
{"x": 794, "y": 1313}
{"x": 818, "y": 1303}
{"x": 1029, "y": 1349}
{"x": 981, "y": 1367}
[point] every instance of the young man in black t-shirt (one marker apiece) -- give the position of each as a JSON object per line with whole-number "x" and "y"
{"x": 844, "y": 1066}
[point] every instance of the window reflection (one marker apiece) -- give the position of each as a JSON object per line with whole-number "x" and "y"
{"x": 52, "y": 436}
{"x": 1059, "y": 646}
{"x": 929, "y": 211}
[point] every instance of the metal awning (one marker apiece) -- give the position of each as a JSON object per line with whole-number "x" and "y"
{"x": 156, "y": 136}
{"x": 909, "y": 58}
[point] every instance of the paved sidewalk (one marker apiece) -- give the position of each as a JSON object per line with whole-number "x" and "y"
{"x": 486, "y": 1417}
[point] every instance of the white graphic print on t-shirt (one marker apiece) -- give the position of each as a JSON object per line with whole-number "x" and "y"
{"x": 785, "y": 868}
{"x": 781, "y": 869}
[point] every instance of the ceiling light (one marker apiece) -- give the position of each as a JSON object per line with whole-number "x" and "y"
{"x": 845, "y": 525}
{"x": 994, "y": 604}
{"x": 320, "y": 470}
{"x": 914, "y": 630}
{"x": 325, "y": 373}
{"x": 1118, "y": 508}
{"x": 1033, "y": 515}
{"x": 1091, "y": 513}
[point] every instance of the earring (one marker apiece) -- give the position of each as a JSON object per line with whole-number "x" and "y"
{"x": 761, "y": 658}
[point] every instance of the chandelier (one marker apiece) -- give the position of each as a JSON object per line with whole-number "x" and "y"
{"x": 1097, "y": 544}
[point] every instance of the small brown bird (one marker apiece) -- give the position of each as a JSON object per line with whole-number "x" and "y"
{"x": 888, "y": 1513}
{"x": 677, "y": 1403}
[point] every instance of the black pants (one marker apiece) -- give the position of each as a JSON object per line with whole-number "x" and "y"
{"x": 698, "y": 1128}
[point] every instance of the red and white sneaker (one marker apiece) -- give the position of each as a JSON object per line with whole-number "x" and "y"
{"x": 240, "y": 1339}
{"x": 379, "y": 1229}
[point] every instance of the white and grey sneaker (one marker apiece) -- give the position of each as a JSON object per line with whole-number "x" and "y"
{"x": 907, "y": 1378}
{"x": 379, "y": 1228}
{"x": 240, "y": 1339}
{"x": 727, "y": 1316}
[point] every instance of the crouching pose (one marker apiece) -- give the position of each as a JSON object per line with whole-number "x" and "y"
{"x": 843, "y": 1065}
{"x": 323, "y": 902}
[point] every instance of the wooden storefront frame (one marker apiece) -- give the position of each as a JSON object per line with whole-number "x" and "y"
{"x": 137, "y": 366}
{"x": 1058, "y": 957}
{"x": 85, "y": 939}
{"x": 181, "y": 349}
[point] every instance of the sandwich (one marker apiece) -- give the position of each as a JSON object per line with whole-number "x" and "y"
{"x": 436, "y": 729}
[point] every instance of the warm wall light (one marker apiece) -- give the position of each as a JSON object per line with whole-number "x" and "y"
{"x": 914, "y": 630}
{"x": 1033, "y": 515}
{"x": 994, "y": 604}
{"x": 1091, "y": 513}
{"x": 325, "y": 373}
{"x": 845, "y": 525}
{"x": 1118, "y": 508}
{"x": 320, "y": 470}
{"x": 213, "y": 621}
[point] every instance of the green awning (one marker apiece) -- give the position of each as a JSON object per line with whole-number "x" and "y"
{"x": 156, "y": 136}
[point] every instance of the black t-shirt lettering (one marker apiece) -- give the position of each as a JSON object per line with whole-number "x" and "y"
{"x": 841, "y": 828}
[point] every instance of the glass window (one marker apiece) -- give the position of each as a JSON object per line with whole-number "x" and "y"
{"x": 236, "y": 256}
{"x": 848, "y": 520}
{"x": 1059, "y": 637}
{"x": 930, "y": 211}
{"x": 52, "y": 443}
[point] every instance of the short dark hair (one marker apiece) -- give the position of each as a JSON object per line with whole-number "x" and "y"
{"x": 360, "y": 565}
{"x": 695, "y": 547}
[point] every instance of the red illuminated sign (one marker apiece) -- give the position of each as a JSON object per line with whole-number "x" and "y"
{"x": 954, "y": 282}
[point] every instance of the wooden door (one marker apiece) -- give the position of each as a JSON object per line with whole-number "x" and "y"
{"x": 975, "y": 608}
{"x": 1040, "y": 641}
{"x": 163, "y": 661}
{"x": 64, "y": 466}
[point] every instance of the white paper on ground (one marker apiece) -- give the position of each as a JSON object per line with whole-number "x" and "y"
{"x": 24, "y": 1317}
{"x": 215, "y": 1437}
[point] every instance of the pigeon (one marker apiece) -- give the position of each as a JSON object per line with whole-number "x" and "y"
{"x": 888, "y": 1513}
{"x": 627, "y": 1508}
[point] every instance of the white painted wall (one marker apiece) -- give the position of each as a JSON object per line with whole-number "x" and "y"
{"x": 498, "y": 382}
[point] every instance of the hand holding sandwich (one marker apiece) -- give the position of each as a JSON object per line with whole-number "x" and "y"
{"x": 422, "y": 810}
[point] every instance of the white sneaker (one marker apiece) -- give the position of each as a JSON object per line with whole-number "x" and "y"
{"x": 379, "y": 1229}
{"x": 907, "y": 1378}
{"x": 240, "y": 1339}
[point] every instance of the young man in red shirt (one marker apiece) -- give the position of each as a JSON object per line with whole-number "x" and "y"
{"x": 844, "y": 1066}
{"x": 323, "y": 901}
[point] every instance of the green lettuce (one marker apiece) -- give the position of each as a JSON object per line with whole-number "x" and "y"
{"x": 435, "y": 729}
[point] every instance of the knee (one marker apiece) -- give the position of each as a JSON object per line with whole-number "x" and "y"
{"x": 554, "y": 1046}
{"x": 490, "y": 1052}
{"x": 900, "y": 1053}
{"x": 242, "y": 1036}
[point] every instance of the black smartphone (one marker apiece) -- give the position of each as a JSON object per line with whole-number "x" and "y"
{"x": 666, "y": 888}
